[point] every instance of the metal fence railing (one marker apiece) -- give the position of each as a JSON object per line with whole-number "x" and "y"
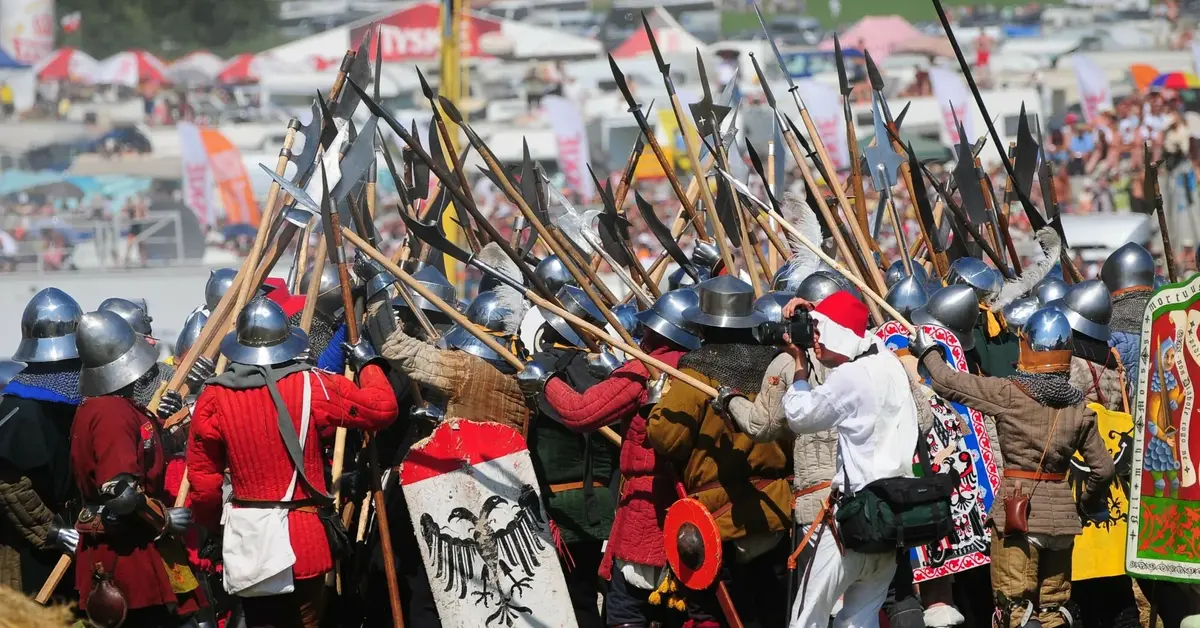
{"x": 77, "y": 244}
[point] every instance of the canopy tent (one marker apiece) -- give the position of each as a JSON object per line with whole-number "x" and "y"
{"x": 321, "y": 52}
{"x": 67, "y": 64}
{"x": 247, "y": 68}
{"x": 414, "y": 34}
{"x": 197, "y": 68}
{"x": 670, "y": 36}
{"x": 880, "y": 34}
{"x": 131, "y": 68}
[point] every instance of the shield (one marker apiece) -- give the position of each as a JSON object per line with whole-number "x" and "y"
{"x": 1164, "y": 494}
{"x": 485, "y": 534}
{"x": 1100, "y": 551}
{"x": 693, "y": 544}
{"x": 957, "y": 441}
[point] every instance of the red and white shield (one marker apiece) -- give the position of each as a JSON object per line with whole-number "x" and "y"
{"x": 484, "y": 532}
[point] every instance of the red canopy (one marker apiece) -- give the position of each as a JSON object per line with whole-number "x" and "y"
{"x": 242, "y": 69}
{"x": 66, "y": 64}
{"x": 414, "y": 34}
{"x": 671, "y": 37}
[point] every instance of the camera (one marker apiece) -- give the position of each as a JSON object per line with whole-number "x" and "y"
{"x": 800, "y": 328}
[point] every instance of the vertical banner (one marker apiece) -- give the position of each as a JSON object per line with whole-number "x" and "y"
{"x": 197, "y": 177}
{"x": 567, "y": 122}
{"x": 1094, "y": 92}
{"x": 1196, "y": 56}
{"x": 951, "y": 92}
{"x": 27, "y": 29}
{"x": 825, "y": 107}
{"x": 229, "y": 175}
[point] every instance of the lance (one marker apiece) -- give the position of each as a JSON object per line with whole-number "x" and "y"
{"x": 799, "y": 235}
{"x": 856, "y": 178}
{"x": 1150, "y": 190}
{"x": 693, "y": 153}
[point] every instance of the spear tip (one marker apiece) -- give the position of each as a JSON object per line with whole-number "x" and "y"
{"x": 873, "y": 72}
{"x": 450, "y": 109}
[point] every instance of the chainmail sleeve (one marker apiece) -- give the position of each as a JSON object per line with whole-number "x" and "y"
{"x": 24, "y": 509}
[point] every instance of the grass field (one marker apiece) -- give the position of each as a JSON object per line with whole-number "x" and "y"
{"x": 853, "y": 10}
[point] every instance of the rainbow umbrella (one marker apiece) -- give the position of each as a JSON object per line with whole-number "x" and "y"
{"x": 1176, "y": 80}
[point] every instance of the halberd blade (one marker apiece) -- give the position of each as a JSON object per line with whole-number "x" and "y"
{"x": 613, "y": 227}
{"x": 968, "y": 179}
{"x": 299, "y": 196}
{"x": 1025, "y": 160}
{"x": 758, "y": 167}
{"x": 662, "y": 233}
{"x": 418, "y": 168}
{"x": 762, "y": 82}
{"x": 357, "y": 160}
{"x": 311, "y": 133}
{"x": 727, "y": 212}
{"x": 873, "y": 73}
{"x": 924, "y": 208}
{"x": 360, "y": 73}
{"x": 663, "y": 66}
{"x": 327, "y": 224}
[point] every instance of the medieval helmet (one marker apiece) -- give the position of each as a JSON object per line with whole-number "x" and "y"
{"x": 771, "y": 305}
{"x": 626, "y": 314}
{"x": 665, "y": 318}
{"x": 983, "y": 279}
{"x": 819, "y": 285}
{"x": 329, "y": 291}
{"x": 113, "y": 355}
{"x": 896, "y": 272}
{"x": 134, "y": 313}
{"x": 48, "y": 328}
{"x": 553, "y": 273}
{"x": 436, "y": 282}
{"x": 1050, "y": 289}
{"x": 908, "y": 294}
{"x": 706, "y": 255}
{"x": 954, "y": 307}
{"x": 577, "y": 302}
{"x": 192, "y": 326}
{"x": 1045, "y": 342}
{"x": 788, "y": 278}
{"x": 263, "y": 335}
{"x": 218, "y": 284}
{"x": 725, "y": 302}
{"x": 487, "y": 312}
{"x": 1130, "y": 266}
{"x": 1017, "y": 313}
{"x": 680, "y": 279}
{"x": 1088, "y": 307}
{"x": 380, "y": 278}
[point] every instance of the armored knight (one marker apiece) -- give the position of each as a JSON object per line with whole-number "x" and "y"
{"x": 635, "y": 556}
{"x": 36, "y": 413}
{"x": 1041, "y": 421}
{"x": 264, "y": 420}
{"x": 129, "y": 536}
{"x": 752, "y": 508}
{"x": 706, "y": 259}
{"x": 1129, "y": 275}
{"x": 1088, "y": 308}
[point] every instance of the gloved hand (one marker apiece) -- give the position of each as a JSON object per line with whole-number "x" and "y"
{"x": 720, "y": 405}
{"x": 1099, "y": 517}
{"x": 305, "y": 356}
{"x": 921, "y": 344}
{"x": 427, "y": 412}
{"x": 62, "y": 537}
{"x": 654, "y": 390}
{"x": 601, "y": 365}
{"x": 201, "y": 370}
{"x": 178, "y": 520}
{"x": 533, "y": 380}
{"x": 365, "y": 268}
{"x": 169, "y": 403}
{"x": 353, "y": 484}
{"x": 360, "y": 354}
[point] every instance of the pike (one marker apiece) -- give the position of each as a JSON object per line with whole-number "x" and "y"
{"x": 689, "y": 207}
{"x": 791, "y": 136}
{"x": 856, "y": 178}
{"x": 924, "y": 209}
{"x": 1151, "y": 190}
{"x": 639, "y": 145}
{"x": 447, "y": 141}
{"x": 799, "y": 235}
{"x": 448, "y": 187}
{"x": 693, "y": 153}
{"x": 1035, "y": 219}
{"x": 614, "y": 235}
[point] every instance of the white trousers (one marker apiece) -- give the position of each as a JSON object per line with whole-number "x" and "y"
{"x": 860, "y": 580}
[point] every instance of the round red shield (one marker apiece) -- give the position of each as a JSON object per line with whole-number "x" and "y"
{"x": 693, "y": 544}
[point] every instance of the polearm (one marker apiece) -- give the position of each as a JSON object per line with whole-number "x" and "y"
{"x": 1002, "y": 219}
{"x": 693, "y": 152}
{"x": 448, "y": 145}
{"x": 856, "y": 180}
{"x": 627, "y": 174}
{"x": 1150, "y": 190}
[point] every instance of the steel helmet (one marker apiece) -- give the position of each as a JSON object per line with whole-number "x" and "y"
{"x": 771, "y": 305}
{"x": 819, "y": 285}
{"x": 436, "y": 282}
{"x": 486, "y": 312}
{"x": 48, "y": 328}
{"x": 192, "y": 326}
{"x": 1088, "y": 306}
{"x": 1050, "y": 289}
{"x": 896, "y": 272}
{"x": 113, "y": 355}
{"x": 665, "y": 318}
{"x": 329, "y": 292}
{"x": 263, "y": 335}
{"x": 1045, "y": 342}
{"x": 577, "y": 302}
{"x": 218, "y": 284}
{"x": 788, "y": 277}
{"x": 1017, "y": 313}
{"x": 626, "y": 314}
{"x": 553, "y": 273}
{"x": 725, "y": 302}
{"x": 1130, "y": 266}
{"x": 680, "y": 279}
{"x": 970, "y": 271}
{"x": 954, "y": 307}
{"x": 907, "y": 295}
{"x": 134, "y": 313}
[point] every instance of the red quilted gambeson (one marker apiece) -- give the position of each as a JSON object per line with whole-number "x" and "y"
{"x": 238, "y": 429}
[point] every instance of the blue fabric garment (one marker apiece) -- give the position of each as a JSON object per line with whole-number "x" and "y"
{"x": 1083, "y": 144}
{"x": 1127, "y": 346}
{"x": 24, "y": 391}
{"x": 333, "y": 358}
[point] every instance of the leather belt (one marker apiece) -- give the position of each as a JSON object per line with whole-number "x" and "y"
{"x": 574, "y": 486}
{"x": 1035, "y": 476}
{"x": 819, "y": 486}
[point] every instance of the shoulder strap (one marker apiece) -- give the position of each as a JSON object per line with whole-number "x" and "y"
{"x": 1045, "y": 448}
{"x": 290, "y": 441}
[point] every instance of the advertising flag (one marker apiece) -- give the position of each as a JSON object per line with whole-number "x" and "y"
{"x": 954, "y": 98}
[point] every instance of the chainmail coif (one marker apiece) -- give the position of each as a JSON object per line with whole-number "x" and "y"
{"x": 1128, "y": 310}
{"x": 48, "y": 381}
{"x": 1049, "y": 389}
{"x": 319, "y": 334}
{"x": 739, "y": 366}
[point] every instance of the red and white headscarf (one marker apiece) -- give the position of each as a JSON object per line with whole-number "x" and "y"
{"x": 842, "y": 324}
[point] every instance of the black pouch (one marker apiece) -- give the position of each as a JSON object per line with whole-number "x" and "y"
{"x": 335, "y": 531}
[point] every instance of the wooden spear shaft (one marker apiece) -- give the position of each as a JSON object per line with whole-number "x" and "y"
{"x": 710, "y": 204}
